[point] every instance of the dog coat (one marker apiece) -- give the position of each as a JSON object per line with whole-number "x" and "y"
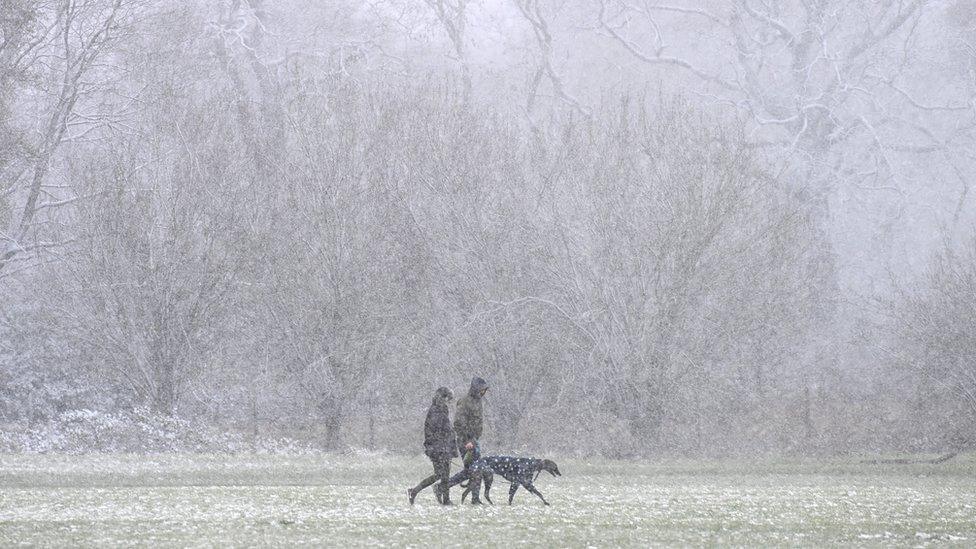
{"x": 514, "y": 469}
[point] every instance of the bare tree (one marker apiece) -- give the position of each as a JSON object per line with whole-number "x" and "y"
{"x": 665, "y": 261}
{"x": 452, "y": 15}
{"x": 65, "y": 43}
{"x": 927, "y": 333}
{"x": 533, "y": 12}
{"x": 816, "y": 81}
{"x": 146, "y": 289}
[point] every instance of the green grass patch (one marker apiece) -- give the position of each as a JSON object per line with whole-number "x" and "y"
{"x": 192, "y": 500}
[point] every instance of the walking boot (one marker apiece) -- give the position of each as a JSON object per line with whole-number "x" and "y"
{"x": 444, "y": 495}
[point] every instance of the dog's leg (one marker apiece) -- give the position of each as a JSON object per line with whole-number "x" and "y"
{"x": 511, "y": 492}
{"x": 467, "y": 490}
{"x": 488, "y": 480}
{"x": 531, "y": 488}
{"x": 459, "y": 477}
{"x": 475, "y": 487}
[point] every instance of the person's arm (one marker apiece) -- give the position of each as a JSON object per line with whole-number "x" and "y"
{"x": 460, "y": 417}
{"x": 478, "y": 423}
{"x": 429, "y": 427}
{"x": 448, "y": 431}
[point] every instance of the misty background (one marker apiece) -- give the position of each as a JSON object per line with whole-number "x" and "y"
{"x": 695, "y": 228}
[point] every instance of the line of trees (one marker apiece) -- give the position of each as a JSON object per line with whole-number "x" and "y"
{"x": 213, "y": 224}
{"x": 399, "y": 239}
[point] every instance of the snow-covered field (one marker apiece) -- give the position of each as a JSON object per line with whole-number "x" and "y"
{"x": 359, "y": 500}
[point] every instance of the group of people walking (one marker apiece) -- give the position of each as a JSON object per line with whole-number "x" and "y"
{"x": 444, "y": 441}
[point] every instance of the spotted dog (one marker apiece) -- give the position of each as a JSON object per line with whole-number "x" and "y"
{"x": 518, "y": 471}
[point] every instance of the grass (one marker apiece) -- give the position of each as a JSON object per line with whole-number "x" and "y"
{"x": 191, "y": 500}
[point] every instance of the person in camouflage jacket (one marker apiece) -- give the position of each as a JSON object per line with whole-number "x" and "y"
{"x": 469, "y": 418}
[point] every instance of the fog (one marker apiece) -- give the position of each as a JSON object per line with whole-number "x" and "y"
{"x": 676, "y": 228}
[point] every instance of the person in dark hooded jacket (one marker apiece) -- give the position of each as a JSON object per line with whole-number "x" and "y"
{"x": 469, "y": 418}
{"x": 439, "y": 445}
{"x": 468, "y": 426}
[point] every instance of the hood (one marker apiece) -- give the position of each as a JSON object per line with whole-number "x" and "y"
{"x": 442, "y": 396}
{"x": 477, "y": 385}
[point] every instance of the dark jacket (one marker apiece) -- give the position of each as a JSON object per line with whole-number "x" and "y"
{"x": 438, "y": 434}
{"x": 469, "y": 418}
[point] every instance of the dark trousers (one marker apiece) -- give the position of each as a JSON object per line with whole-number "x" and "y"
{"x": 442, "y": 473}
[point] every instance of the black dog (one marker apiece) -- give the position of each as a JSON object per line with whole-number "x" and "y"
{"x": 518, "y": 471}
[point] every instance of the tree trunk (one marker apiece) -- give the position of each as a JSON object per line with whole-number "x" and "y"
{"x": 331, "y": 409}
{"x": 333, "y": 435}
{"x": 372, "y": 423}
{"x": 164, "y": 400}
{"x": 808, "y": 432}
{"x": 646, "y": 422}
